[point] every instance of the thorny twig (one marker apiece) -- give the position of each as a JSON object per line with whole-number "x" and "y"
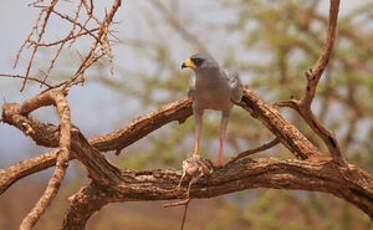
{"x": 100, "y": 33}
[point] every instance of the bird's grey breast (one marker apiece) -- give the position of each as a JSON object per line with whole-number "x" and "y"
{"x": 212, "y": 91}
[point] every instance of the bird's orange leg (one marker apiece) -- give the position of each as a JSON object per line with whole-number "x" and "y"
{"x": 196, "y": 147}
{"x": 220, "y": 161}
{"x": 198, "y": 128}
{"x": 223, "y": 127}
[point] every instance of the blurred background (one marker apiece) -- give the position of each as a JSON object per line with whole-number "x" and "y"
{"x": 270, "y": 43}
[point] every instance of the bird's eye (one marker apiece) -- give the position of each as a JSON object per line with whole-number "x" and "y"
{"x": 197, "y": 61}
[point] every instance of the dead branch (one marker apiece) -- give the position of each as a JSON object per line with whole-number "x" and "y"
{"x": 15, "y": 172}
{"x": 90, "y": 57}
{"x": 101, "y": 39}
{"x": 184, "y": 203}
{"x": 56, "y": 98}
{"x": 24, "y": 77}
{"x": 47, "y": 135}
{"x": 303, "y": 106}
{"x": 48, "y": 12}
{"x": 351, "y": 183}
{"x": 82, "y": 205}
{"x": 288, "y": 134}
{"x": 255, "y": 150}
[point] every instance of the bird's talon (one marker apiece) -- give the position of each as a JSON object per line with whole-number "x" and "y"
{"x": 219, "y": 163}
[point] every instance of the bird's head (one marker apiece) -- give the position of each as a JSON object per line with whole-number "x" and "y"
{"x": 200, "y": 62}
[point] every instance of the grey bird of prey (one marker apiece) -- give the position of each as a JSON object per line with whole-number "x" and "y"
{"x": 212, "y": 88}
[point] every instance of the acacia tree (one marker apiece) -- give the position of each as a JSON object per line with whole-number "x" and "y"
{"x": 311, "y": 170}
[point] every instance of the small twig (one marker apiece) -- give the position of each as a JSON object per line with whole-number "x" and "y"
{"x": 87, "y": 61}
{"x": 28, "y": 38}
{"x": 48, "y": 13}
{"x": 89, "y": 10}
{"x": 66, "y": 39}
{"x": 77, "y": 23}
{"x": 24, "y": 77}
{"x": 184, "y": 203}
{"x": 64, "y": 42}
{"x": 53, "y": 61}
{"x": 71, "y": 82}
{"x": 110, "y": 54}
{"x": 177, "y": 203}
{"x": 256, "y": 150}
{"x": 184, "y": 214}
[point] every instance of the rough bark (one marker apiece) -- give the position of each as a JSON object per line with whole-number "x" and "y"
{"x": 349, "y": 183}
{"x": 48, "y": 135}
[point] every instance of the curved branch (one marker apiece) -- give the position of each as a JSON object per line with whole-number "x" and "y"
{"x": 58, "y": 99}
{"x": 314, "y": 75}
{"x": 255, "y": 150}
{"x": 351, "y": 184}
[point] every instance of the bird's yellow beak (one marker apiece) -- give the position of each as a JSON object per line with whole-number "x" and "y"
{"x": 188, "y": 63}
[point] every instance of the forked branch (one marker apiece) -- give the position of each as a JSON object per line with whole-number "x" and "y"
{"x": 303, "y": 106}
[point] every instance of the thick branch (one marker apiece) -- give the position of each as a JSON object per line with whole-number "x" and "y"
{"x": 47, "y": 135}
{"x": 99, "y": 168}
{"x": 288, "y": 134}
{"x": 24, "y": 168}
{"x": 82, "y": 205}
{"x": 351, "y": 184}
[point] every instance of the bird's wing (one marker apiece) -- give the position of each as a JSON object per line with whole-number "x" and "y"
{"x": 192, "y": 87}
{"x": 235, "y": 84}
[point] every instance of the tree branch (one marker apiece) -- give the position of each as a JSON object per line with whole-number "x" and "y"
{"x": 303, "y": 106}
{"x": 47, "y": 135}
{"x": 287, "y": 133}
{"x": 314, "y": 75}
{"x": 56, "y": 98}
{"x": 351, "y": 183}
{"x": 255, "y": 150}
{"x": 82, "y": 205}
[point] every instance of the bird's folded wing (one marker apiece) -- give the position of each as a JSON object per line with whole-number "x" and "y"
{"x": 235, "y": 84}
